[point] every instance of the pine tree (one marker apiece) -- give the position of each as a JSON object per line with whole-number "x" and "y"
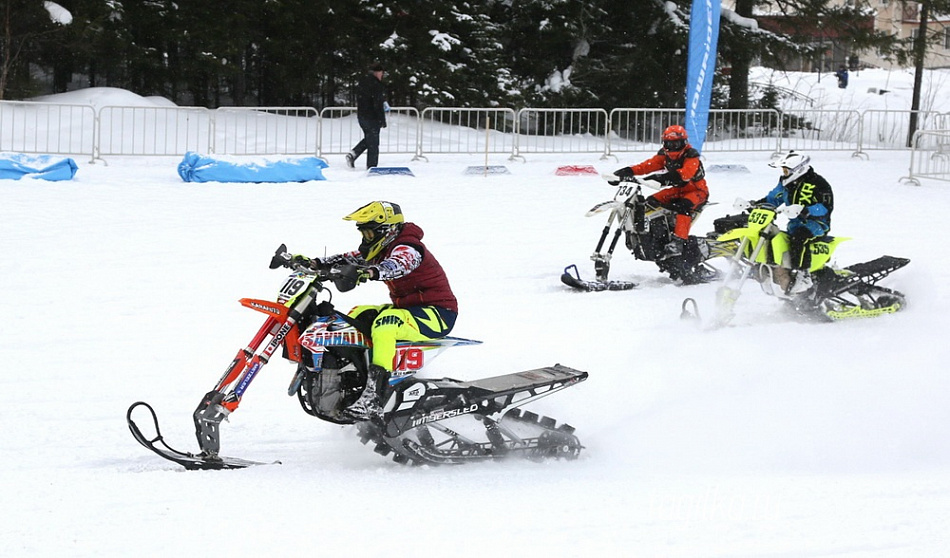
{"x": 741, "y": 44}
{"x": 613, "y": 53}
{"x": 25, "y": 29}
{"x": 652, "y": 54}
{"x": 444, "y": 54}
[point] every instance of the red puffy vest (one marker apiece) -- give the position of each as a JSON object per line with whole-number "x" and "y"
{"x": 426, "y": 285}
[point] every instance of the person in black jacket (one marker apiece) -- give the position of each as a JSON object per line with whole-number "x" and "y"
{"x": 371, "y": 114}
{"x": 810, "y": 198}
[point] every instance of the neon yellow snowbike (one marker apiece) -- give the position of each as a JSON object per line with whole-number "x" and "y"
{"x": 762, "y": 253}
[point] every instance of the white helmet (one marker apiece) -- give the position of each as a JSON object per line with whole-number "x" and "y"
{"x": 793, "y": 166}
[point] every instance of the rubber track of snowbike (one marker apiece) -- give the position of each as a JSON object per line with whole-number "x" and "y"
{"x": 545, "y": 441}
{"x": 831, "y": 303}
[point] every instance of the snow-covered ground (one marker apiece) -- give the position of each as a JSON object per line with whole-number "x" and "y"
{"x": 771, "y": 437}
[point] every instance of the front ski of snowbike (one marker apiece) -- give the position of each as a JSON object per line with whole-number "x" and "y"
{"x": 646, "y": 228}
{"x": 331, "y": 351}
{"x": 837, "y": 293}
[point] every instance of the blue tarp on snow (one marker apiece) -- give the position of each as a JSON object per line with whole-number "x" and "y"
{"x": 18, "y": 165}
{"x": 200, "y": 168}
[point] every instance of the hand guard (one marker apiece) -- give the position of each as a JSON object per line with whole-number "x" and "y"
{"x": 741, "y": 205}
{"x": 347, "y": 276}
{"x": 793, "y": 211}
{"x": 280, "y": 259}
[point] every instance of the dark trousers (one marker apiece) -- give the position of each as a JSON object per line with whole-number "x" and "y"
{"x": 798, "y": 248}
{"x": 369, "y": 143}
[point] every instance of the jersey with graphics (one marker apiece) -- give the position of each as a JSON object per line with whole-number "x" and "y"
{"x": 812, "y": 191}
{"x": 412, "y": 274}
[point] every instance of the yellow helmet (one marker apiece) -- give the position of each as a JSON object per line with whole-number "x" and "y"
{"x": 379, "y": 222}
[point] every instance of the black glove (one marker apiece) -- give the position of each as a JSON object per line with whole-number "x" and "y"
{"x": 624, "y": 173}
{"x": 668, "y": 178}
{"x": 300, "y": 259}
{"x": 313, "y": 264}
{"x": 621, "y": 174}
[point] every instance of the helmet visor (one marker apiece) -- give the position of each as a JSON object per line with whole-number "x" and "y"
{"x": 370, "y": 231}
{"x": 375, "y": 238}
{"x": 674, "y": 145}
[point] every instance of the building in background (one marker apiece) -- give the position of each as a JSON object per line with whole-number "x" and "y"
{"x": 893, "y": 17}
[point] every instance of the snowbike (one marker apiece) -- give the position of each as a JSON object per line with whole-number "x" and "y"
{"x": 647, "y": 227}
{"x": 424, "y": 421}
{"x": 763, "y": 254}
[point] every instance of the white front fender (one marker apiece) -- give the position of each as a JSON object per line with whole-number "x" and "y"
{"x": 604, "y": 206}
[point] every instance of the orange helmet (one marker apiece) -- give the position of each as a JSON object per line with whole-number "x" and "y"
{"x": 675, "y": 141}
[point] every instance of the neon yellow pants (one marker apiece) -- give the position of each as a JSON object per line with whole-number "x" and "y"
{"x": 400, "y": 324}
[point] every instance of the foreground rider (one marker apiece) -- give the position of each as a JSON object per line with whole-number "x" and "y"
{"x": 809, "y": 199}
{"x": 423, "y": 305}
{"x": 678, "y": 167}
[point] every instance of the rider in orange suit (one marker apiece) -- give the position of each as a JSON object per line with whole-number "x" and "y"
{"x": 677, "y": 166}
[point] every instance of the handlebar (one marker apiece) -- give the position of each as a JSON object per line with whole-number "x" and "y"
{"x": 345, "y": 276}
{"x": 613, "y": 179}
{"x": 283, "y": 258}
{"x": 746, "y": 205}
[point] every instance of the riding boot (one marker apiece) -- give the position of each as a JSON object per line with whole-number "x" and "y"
{"x": 675, "y": 247}
{"x": 801, "y": 283}
{"x": 368, "y": 405}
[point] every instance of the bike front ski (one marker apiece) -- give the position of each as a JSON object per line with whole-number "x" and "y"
{"x": 190, "y": 461}
{"x": 574, "y": 281}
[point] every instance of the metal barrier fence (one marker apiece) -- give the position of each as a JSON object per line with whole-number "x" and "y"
{"x": 639, "y": 129}
{"x": 53, "y": 129}
{"x": 340, "y": 131}
{"x": 33, "y": 127}
{"x": 727, "y": 129}
{"x": 929, "y": 156}
{"x": 887, "y": 129}
{"x": 744, "y": 130}
{"x": 827, "y": 130}
{"x": 561, "y": 130}
{"x": 467, "y": 130}
{"x": 265, "y": 131}
{"x": 152, "y": 131}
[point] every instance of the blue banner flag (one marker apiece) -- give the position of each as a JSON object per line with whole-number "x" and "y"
{"x": 700, "y": 67}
